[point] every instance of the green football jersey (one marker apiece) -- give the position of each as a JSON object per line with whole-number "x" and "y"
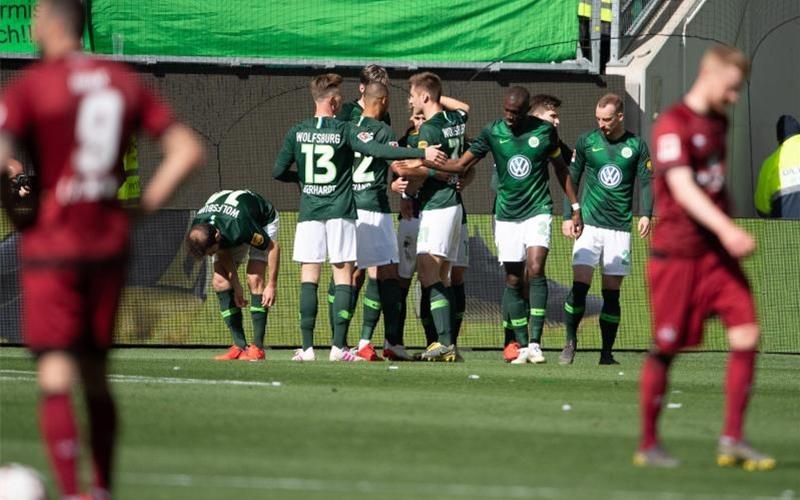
{"x": 521, "y": 162}
{"x": 446, "y": 128}
{"x": 370, "y": 174}
{"x": 610, "y": 171}
{"x": 323, "y": 149}
{"x": 240, "y": 216}
{"x": 351, "y": 111}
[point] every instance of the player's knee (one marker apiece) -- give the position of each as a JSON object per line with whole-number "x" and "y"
{"x": 219, "y": 283}
{"x": 744, "y": 337}
{"x": 56, "y": 372}
{"x": 534, "y": 269}
{"x": 256, "y": 283}
{"x": 513, "y": 280}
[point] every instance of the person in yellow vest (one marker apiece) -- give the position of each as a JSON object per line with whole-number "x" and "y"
{"x": 585, "y": 22}
{"x": 778, "y": 187}
{"x": 130, "y": 189}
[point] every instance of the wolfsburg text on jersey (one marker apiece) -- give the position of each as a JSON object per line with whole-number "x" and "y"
{"x": 216, "y": 208}
{"x": 454, "y": 131}
{"x": 319, "y": 138}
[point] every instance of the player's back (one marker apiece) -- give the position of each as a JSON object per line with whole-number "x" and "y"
{"x": 237, "y": 214}
{"x": 448, "y": 129}
{"x": 76, "y": 114}
{"x": 682, "y": 137}
{"x": 324, "y": 164}
{"x": 370, "y": 174}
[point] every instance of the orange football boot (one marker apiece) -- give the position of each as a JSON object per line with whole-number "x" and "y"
{"x": 511, "y": 352}
{"x": 253, "y": 353}
{"x": 233, "y": 353}
{"x": 368, "y": 353}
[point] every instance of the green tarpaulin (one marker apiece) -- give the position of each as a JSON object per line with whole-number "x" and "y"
{"x": 448, "y": 31}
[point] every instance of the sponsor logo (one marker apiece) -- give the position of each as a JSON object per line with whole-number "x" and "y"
{"x": 533, "y": 142}
{"x": 394, "y": 144}
{"x": 610, "y": 175}
{"x": 699, "y": 140}
{"x": 627, "y": 152}
{"x": 595, "y": 150}
{"x": 503, "y": 141}
{"x": 422, "y": 144}
{"x": 649, "y": 165}
{"x": 257, "y": 240}
{"x": 667, "y": 334}
{"x": 519, "y": 166}
{"x": 365, "y": 136}
{"x": 668, "y": 148}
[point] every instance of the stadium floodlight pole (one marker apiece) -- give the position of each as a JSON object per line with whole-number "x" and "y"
{"x": 594, "y": 28}
{"x": 616, "y": 41}
{"x": 689, "y": 19}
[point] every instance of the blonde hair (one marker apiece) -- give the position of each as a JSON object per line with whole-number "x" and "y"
{"x": 429, "y": 82}
{"x": 324, "y": 85}
{"x": 725, "y": 55}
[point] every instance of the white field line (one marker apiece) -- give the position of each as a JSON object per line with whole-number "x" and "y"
{"x": 434, "y": 490}
{"x": 24, "y": 375}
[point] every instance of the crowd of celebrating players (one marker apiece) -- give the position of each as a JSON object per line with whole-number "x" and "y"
{"x": 74, "y": 113}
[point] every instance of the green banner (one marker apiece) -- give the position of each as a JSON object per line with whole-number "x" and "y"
{"x": 444, "y": 31}
{"x": 15, "y": 26}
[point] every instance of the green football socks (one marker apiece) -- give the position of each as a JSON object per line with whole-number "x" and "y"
{"x": 258, "y": 314}
{"x": 232, "y": 316}
{"x": 308, "y": 312}
{"x": 574, "y": 308}
{"x": 538, "y": 299}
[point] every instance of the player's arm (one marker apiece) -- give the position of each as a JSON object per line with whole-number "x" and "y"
{"x": 645, "y": 175}
{"x": 281, "y": 171}
{"x": 453, "y": 104}
{"x": 466, "y": 179}
{"x": 566, "y": 183}
{"x": 226, "y": 262}
{"x": 698, "y": 206}
{"x": 182, "y": 154}
{"x": 377, "y": 149}
{"x": 273, "y": 264}
{"x": 576, "y": 168}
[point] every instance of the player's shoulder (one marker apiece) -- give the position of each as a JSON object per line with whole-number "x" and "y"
{"x": 673, "y": 119}
{"x": 494, "y": 127}
{"x": 585, "y": 138}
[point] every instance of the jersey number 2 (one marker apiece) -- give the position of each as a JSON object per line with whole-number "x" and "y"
{"x": 363, "y": 174}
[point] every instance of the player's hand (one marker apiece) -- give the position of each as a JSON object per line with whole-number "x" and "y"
{"x": 238, "y": 295}
{"x": 268, "y": 297}
{"x": 737, "y": 242}
{"x": 460, "y": 184}
{"x": 566, "y": 228}
{"x": 399, "y": 185}
{"x": 407, "y": 209}
{"x": 644, "y": 227}
{"x": 577, "y": 224}
{"x": 435, "y": 155}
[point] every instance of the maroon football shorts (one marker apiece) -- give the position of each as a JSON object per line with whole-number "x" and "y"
{"x": 71, "y": 306}
{"x": 684, "y": 292}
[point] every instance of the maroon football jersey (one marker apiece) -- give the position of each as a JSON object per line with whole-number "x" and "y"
{"x": 681, "y": 137}
{"x": 75, "y": 116}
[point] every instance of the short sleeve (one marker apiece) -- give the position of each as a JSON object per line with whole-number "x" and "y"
{"x": 15, "y": 112}
{"x": 481, "y": 146}
{"x": 156, "y": 116}
{"x": 670, "y": 143}
{"x": 464, "y": 114}
{"x": 427, "y": 137}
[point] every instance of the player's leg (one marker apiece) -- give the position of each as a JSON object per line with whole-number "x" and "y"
{"x": 392, "y": 305}
{"x": 341, "y": 244}
{"x": 230, "y": 311}
{"x": 609, "y": 317}
{"x": 309, "y": 250}
{"x": 256, "y": 271}
{"x": 677, "y": 322}
{"x": 586, "y": 254}
{"x": 616, "y": 265}
{"x": 457, "y": 275}
{"x": 537, "y": 232}
{"x": 371, "y": 306}
{"x": 103, "y": 295}
{"x": 510, "y": 242}
{"x": 437, "y": 247}
{"x": 57, "y": 371}
{"x": 734, "y": 303}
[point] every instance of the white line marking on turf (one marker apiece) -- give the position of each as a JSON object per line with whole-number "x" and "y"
{"x": 437, "y": 490}
{"x": 23, "y": 375}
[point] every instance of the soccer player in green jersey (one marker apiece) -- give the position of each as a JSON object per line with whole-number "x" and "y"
{"x": 352, "y": 110}
{"x": 522, "y": 145}
{"x": 611, "y": 159}
{"x": 323, "y": 148}
{"x": 441, "y": 212}
{"x": 230, "y": 226}
{"x": 377, "y": 250}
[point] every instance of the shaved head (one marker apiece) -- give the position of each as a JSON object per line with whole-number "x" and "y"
{"x": 375, "y": 90}
{"x": 516, "y": 105}
{"x": 519, "y": 95}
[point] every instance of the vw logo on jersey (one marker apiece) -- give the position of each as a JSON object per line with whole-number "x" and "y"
{"x": 610, "y": 175}
{"x": 519, "y": 166}
{"x": 533, "y": 142}
{"x": 627, "y": 152}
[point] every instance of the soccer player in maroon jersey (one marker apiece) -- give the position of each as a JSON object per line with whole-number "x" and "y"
{"x": 75, "y": 113}
{"x": 694, "y": 269}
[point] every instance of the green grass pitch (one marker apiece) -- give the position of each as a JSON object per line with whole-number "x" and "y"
{"x": 197, "y": 429}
